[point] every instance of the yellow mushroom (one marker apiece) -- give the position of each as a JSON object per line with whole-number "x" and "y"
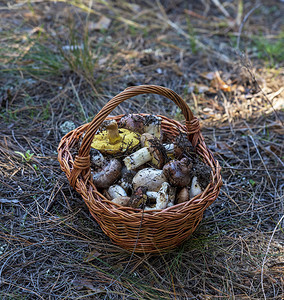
{"x": 114, "y": 140}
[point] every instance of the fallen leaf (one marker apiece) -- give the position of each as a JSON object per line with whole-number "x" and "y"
{"x": 103, "y": 23}
{"x": 219, "y": 84}
{"x": 216, "y": 81}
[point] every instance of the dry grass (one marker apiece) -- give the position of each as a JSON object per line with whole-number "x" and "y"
{"x": 55, "y": 67}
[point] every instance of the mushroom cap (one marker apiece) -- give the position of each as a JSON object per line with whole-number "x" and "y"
{"x": 129, "y": 139}
{"x": 150, "y": 178}
{"x": 178, "y": 172}
{"x": 133, "y": 122}
{"x": 107, "y": 174}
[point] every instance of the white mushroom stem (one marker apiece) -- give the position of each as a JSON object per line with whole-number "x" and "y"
{"x": 162, "y": 197}
{"x": 195, "y": 188}
{"x": 138, "y": 158}
{"x": 115, "y": 191}
{"x": 142, "y": 156}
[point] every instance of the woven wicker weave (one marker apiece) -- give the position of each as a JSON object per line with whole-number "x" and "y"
{"x": 134, "y": 229}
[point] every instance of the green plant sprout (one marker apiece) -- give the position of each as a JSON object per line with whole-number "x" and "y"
{"x": 26, "y": 157}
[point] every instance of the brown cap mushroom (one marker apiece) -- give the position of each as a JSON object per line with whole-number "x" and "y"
{"x": 106, "y": 175}
{"x": 178, "y": 172}
{"x": 133, "y": 122}
{"x": 202, "y": 172}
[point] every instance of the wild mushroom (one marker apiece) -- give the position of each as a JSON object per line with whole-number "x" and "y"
{"x": 195, "y": 188}
{"x": 121, "y": 200}
{"x": 183, "y": 147}
{"x": 141, "y": 124}
{"x": 114, "y": 140}
{"x": 97, "y": 159}
{"x": 172, "y": 196}
{"x": 155, "y": 154}
{"x": 126, "y": 178}
{"x": 183, "y": 195}
{"x": 107, "y": 174}
{"x": 152, "y": 125}
{"x": 202, "y": 172}
{"x": 115, "y": 191}
{"x": 178, "y": 172}
{"x": 145, "y": 138}
{"x": 132, "y": 122}
{"x": 162, "y": 198}
{"x": 150, "y": 178}
{"x": 139, "y": 197}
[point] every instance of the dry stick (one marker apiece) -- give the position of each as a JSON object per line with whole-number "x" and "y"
{"x": 243, "y": 23}
{"x": 221, "y": 8}
{"x": 21, "y": 287}
{"x": 266, "y": 253}
{"x": 77, "y": 96}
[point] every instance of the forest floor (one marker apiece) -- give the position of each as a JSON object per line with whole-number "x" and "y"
{"x": 62, "y": 61}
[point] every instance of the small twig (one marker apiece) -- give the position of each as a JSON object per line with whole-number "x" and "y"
{"x": 77, "y": 96}
{"x": 221, "y": 8}
{"x": 266, "y": 253}
{"x": 243, "y": 23}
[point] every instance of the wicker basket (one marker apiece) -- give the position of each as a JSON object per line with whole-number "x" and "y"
{"x": 134, "y": 229}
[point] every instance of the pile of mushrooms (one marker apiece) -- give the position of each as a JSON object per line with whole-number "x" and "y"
{"x": 133, "y": 164}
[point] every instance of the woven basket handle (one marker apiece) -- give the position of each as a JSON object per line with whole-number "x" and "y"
{"x": 82, "y": 160}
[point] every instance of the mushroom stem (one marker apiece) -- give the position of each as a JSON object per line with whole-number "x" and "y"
{"x": 146, "y": 154}
{"x": 162, "y": 198}
{"x": 138, "y": 158}
{"x": 113, "y": 133}
{"x": 195, "y": 188}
